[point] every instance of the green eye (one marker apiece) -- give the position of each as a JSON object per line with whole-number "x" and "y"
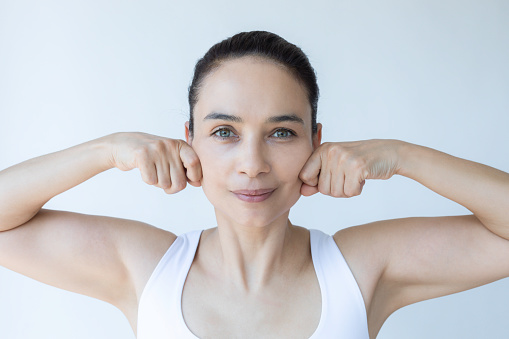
{"x": 223, "y": 133}
{"x": 283, "y": 133}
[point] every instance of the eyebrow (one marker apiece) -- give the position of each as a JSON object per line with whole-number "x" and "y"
{"x": 273, "y": 119}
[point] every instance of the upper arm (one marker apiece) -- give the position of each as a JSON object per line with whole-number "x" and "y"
{"x": 105, "y": 258}
{"x": 403, "y": 261}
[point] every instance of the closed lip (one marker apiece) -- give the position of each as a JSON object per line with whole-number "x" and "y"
{"x": 254, "y": 192}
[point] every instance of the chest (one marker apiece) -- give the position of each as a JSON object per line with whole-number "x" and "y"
{"x": 286, "y": 308}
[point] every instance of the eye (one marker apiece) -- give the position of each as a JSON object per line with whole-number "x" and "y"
{"x": 223, "y": 133}
{"x": 283, "y": 133}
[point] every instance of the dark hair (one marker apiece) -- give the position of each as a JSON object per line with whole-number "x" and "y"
{"x": 259, "y": 44}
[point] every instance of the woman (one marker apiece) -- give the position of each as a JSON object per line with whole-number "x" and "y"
{"x": 254, "y": 146}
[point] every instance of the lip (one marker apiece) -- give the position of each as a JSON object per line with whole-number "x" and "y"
{"x": 257, "y": 195}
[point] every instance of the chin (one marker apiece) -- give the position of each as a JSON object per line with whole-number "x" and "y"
{"x": 255, "y": 217}
{"x": 253, "y": 221}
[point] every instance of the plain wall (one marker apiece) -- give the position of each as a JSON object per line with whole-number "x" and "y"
{"x": 434, "y": 73}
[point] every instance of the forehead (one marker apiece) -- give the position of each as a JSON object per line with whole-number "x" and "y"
{"x": 254, "y": 88}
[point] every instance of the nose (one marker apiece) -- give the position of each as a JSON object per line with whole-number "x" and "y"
{"x": 253, "y": 158}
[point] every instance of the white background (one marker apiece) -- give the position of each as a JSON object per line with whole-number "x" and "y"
{"x": 435, "y": 73}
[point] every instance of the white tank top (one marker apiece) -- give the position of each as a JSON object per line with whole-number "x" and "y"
{"x": 343, "y": 312}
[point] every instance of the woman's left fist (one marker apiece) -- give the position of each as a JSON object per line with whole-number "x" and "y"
{"x": 339, "y": 169}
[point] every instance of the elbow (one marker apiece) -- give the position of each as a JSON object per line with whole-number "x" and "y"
{"x": 9, "y": 222}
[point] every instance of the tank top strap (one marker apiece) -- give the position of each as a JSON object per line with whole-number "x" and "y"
{"x": 343, "y": 308}
{"x": 160, "y": 310}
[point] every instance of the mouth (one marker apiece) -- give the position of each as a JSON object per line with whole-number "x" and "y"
{"x": 254, "y": 195}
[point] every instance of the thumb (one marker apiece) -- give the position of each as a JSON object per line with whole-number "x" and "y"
{"x": 307, "y": 190}
{"x": 191, "y": 163}
{"x": 311, "y": 169}
{"x": 194, "y": 183}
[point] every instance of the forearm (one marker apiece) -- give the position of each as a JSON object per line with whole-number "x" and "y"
{"x": 26, "y": 187}
{"x": 481, "y": 189}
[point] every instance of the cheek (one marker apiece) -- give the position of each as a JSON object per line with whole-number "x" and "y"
{"x": 214, "y": 168}
{"x": 291, "y": 164}
{"x": 289, "y": 169}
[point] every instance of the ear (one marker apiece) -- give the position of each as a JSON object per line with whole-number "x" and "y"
{"x": 317, "y": 138}
{"x": 189, "y": 140}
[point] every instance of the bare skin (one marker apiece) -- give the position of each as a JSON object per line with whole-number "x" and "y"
{"x": 255, "y": 257}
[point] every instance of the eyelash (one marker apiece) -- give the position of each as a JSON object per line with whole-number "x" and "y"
{"x": 292, "y": 133}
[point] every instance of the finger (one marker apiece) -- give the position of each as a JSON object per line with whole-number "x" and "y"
{"x": 177, "y": 175}
{"x": 311, "y": 169}
{"x": 194, "y": 183}
{"x": 353, "y": 186}
{"x": 191, "y": 162}
{"x": 324, "y": 182}
{"x": 337, "y": 185}
{"x": 307, "y": 190}
{"x": 163, "y": 174}
{"x": 148, "y": 172}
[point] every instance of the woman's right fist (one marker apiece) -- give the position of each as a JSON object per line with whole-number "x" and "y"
{"x": 163, "y": 162}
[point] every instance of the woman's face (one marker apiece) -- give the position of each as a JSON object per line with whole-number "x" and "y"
{"x": 252, "y": 133}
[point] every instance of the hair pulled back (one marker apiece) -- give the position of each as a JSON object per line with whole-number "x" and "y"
{"x": 259, "y": 44}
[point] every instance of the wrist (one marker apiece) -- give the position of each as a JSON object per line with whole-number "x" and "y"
{"x": 103, "y": 148}
{"x": 407, "y": 155}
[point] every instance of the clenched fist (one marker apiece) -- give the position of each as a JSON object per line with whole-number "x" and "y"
{"x": 165, "y": 163}
{"x": 339, "y": 169}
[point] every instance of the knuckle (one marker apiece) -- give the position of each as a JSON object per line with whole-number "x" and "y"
{"x": 141, "y": 152}
{"x": 172, "y": 144}
{"x": 349, "y": 194}
{"x": 159, "y": 145}
{"x": 193, "y": 161}
{"x": 175, "y": 144}
{"x": 357, "y": 163}
{"x": 333, "y": 152}
{"x": 192, "y": 176}
{"x": 326, "y": 144}
{"x": 338, "y": 193}
{"x": 305, "y": 176}
{"x": 150, "y": 180}
{"x": 164, "y": 184}
{"x": 323, "y": 189}
{"x": 179, "y": 185}
{"x": 353, "y": 192}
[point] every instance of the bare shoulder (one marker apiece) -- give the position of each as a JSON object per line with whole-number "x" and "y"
{"x": 142, "y": 246}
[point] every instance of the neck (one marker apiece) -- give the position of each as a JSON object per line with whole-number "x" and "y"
{"x": 249, "y": 256}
